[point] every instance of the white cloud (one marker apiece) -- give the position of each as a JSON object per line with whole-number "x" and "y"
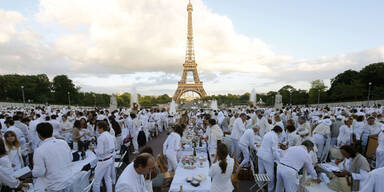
{"x": 112, "y": 44}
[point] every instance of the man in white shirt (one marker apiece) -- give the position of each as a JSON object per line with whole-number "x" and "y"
{"x": 132, "y": 179}
{"x": 237, "y": 131}
{"x": 52, "y": 161}
{"x": 104, "y": 151}
{"x": 268, "y": 153}
{"x": 294, "y": 159}
{"x": 248, "y": 140}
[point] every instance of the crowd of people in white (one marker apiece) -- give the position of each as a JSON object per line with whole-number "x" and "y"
{"x": 292, "y": 139}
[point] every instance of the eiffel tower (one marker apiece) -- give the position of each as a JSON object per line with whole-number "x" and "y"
{"x": 189, "y": 66}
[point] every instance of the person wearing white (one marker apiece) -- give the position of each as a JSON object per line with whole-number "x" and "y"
{"x": 237, "y": 131}
{"x": 345, "y": 134}
{"x": 171, "y": 148}
{"x": 294, "y": 159}
{"x": 6, "y": 171}
{"x": 135, "y": 127}
{"x": 215, "y": 134}
{"x": 380, "y": 149}
{"x": 248, "y": 140}
{"x": 104, "y": 151}
{"x": 52, "y": 161}
{"x": 268, "y": 153}
{"x": 374, "y": 182}
{"x": 292, "y": 136}
{"x": 221, "y": 171}
{"x": 14, "y": 150}
{"x": 132, "y": 179}
{"x": 320, "y": 135}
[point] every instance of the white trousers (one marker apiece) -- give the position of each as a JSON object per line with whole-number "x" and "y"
{"x": 245, "y": 151}
{"x": 103, "y": 170}
{"x": 267, "y": 167}
{"x": 287, "y": 179}
{"x": 319, "y": 141}
{"x": 379, "y": 158}
{"x": 172, "y": 162}
{"x": 235, "y": 147}
{"x": 135, "y": 144}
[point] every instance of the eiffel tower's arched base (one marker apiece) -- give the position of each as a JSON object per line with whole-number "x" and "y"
{"x": 183, "y": 88}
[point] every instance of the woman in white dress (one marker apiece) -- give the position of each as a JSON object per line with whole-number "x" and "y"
{"x": 13, "y": 148}
{"x": 221, "y": 170}
{"x": 345, "y": 133}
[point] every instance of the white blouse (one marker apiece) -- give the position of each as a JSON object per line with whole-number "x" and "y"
{"x": 221, "y": 182}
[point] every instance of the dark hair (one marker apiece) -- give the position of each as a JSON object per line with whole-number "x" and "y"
{"x": 45, "y": 130}
{"x": 16, "y": 118}
{"x": 141, "y": 160}
{"x": 147, "y": 150}
{"x": 102, "y": 125}
{"x": 308, "y": 143}
{"x": 222, "y": 153}
{"x": 349, "y": 149}
{"x": 179, "y": 130}
{"x": 132, "y": 115}
{"x": 3, "y": 151}
{"x": 291, "y": 128}
{"x": 9, "y": 121}
{"x": 76, "y": 124}
{"x": 212, "y": 121}
{"x": 277, "y": 129}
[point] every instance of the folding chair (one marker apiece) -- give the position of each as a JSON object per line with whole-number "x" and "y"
{"x": 122, "y": 157}
{"x": 261, "y": 180}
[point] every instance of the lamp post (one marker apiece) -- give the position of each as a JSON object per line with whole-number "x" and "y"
{"x": 22, "y": 93}
{"x": 369, "y": 91}
{"x": 69, "y": 99}
{"x": 290, "y": 97}
{"x": 318, "y": 97}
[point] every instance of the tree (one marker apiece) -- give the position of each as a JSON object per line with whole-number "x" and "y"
{"x": 63, "y": 86}
{"x": 317, "y": 91}
{"x": 286, "y": 92}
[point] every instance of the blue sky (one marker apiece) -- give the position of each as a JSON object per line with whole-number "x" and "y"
{"x": 113, "y": 45}
{"x": 308, "y": 28}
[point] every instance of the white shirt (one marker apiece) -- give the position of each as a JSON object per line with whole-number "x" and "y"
{"x": 221, "y": 182}
{"x": 52, "y": 164}
{"x": 105, "y": 146}
{"x": 172, "y": 144}
{"x": 130, "y": 181}
{"x": 269, "y": 147}
{"x": 248, "y": 139}
{"x": 297, "y": 157}
{"x": 345, "y": 135}
{"x": 6, "y": 172}
{"x": 238, "y": 128}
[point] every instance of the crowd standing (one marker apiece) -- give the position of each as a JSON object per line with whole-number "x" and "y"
{"x": 292, "y": 139}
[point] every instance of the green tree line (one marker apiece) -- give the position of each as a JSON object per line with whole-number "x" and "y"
{"x": 61, "y": 90}
{"x": 347, "y": 86}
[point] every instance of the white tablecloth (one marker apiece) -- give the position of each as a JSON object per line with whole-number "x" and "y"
{"x": 181, "y": 175}
{"x": 321, "y": 187}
